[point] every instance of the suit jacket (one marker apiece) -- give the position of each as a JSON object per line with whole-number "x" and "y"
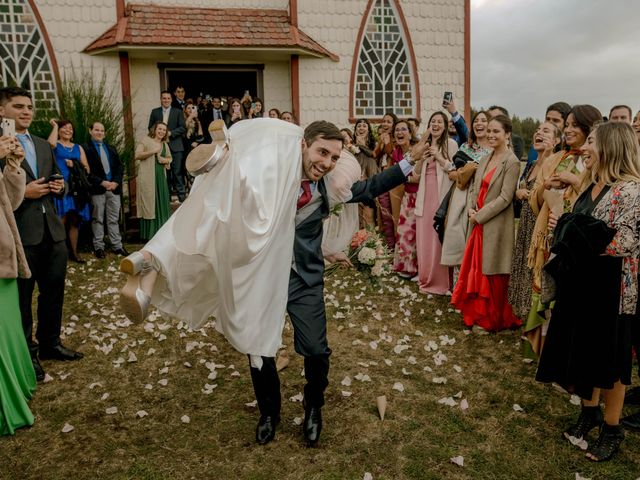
{"x": 176, "y": 126}
{"x": 307, "y": 246}
{"x": 29, "y": 215}
{"x": 496, "y": 215}
{"x": 97, "y": 175}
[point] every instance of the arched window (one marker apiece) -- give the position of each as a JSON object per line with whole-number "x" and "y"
{"x": 25, "y": 59}
{"x": 383, "y": 76}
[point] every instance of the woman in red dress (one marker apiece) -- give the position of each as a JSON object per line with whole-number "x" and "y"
{"x": 481, "y": 293}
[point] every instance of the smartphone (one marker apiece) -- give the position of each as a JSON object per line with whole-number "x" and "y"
{"x": 55, "y": 176}
{"x": 253, "y": 106}
{"x": 246, "y": 93}
{"x": 448, "y": 97}
{"x": 8, "y": 126}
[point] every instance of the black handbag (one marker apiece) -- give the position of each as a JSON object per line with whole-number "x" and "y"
{"x": 460, "y": 159}
{"x": 79, "y": 185}
{"x": 440, "y": 218}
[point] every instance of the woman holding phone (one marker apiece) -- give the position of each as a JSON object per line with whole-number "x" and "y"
{"x": 236, "y": 112}
{"x": 69, "y": 156}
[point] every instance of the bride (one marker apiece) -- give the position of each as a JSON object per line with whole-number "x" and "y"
{"x": 227, "y": 251}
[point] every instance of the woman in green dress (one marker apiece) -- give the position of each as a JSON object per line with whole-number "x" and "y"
{"x": 153, "y": 159}
{"x": 17, "y": 377}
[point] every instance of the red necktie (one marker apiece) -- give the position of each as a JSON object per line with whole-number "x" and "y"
{"x": 306, "y": 194}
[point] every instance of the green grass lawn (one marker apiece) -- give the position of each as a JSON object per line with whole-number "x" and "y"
{"x": 386, "y": 338}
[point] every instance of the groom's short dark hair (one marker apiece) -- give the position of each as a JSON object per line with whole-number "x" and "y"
{"x": 321, "y": 129}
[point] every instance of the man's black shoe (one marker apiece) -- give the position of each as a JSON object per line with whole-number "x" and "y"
{"x": 121, "y": 251}
{"x": 632, "y": 421}
{"x": 59, "y": 352}
{"x": 312, "y": 425}
{"x": 38, "y": 369}
{"x": 100, "y": 253}
{"x": 632, "y": 397}
{"x": 266, "y": 429}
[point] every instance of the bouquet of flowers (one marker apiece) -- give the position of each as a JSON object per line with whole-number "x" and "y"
{"x": 370, "y": 253}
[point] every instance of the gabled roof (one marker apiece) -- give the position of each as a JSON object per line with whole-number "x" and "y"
{"x": 148, "y": 25}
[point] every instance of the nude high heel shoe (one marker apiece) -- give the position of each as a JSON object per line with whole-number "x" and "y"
{"x": 133, "y": 301}
{"x": 204, "y": 157}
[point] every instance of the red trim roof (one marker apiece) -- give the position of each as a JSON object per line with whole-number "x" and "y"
{"x": 152, "y": 25}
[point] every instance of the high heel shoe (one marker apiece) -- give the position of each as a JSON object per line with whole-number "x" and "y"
{"x": 204, "y": 157}
{"x": 133, "y": 301}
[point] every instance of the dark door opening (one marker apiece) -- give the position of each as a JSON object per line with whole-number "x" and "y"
{"x": 222, "y": 81}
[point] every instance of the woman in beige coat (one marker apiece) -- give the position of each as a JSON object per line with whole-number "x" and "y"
{"x": 481, "y": 291}
{"x": 153, "y": 159}
{"x": 17, "y": 378}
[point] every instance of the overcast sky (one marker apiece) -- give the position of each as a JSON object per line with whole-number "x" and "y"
{"x": 527, "y": 54}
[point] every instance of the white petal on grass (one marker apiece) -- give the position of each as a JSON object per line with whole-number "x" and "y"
{"x": 132, "y": 358}
{"x": 163, "y": 371}
{"x": 68, "y": 428}
{"x": 141, "y": 414}
{"x": 251, "y": 404}
{"x": 575, "y": 400}
{"x": 440, "y": 380}
{"x": 111, "y": 410}
{"x": 464, "y": 404}
{"x": 148, "y": 386}
{"x": 580, "y": 477}
{"x": 398, "y": 386}
{"x": 459, "y": 460}
{"x": 457, "y": 368}
{"x": 448, "y": 401}
{"x": 47, "y": 378}
{"x": 428, "y": 369}
{"x": 581, "y": 443}
{"x": 104, "y": 396}
{"x": 458, "y": 395}
{"x": 185, "y": 419}
{"x": 365, "y": 329}
{"x": 297, "y": 398}
{"x": 346, "y": 393}
{"x": 388, "y": 362}
{"x": 163, "y": 382}
{"x": 405, "y": 371}
{"x": 367, "y": 476}
{"x": 398, "y": 349}
{"x": 94, "y": 385}
{"x": 517, "y": 408}
{"x": 297, "y": 420}
{"x": 373, "y": 344}
{"x": 346, "y": 381}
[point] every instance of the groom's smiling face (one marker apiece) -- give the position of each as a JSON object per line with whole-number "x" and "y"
{"x": 320, "y": 157}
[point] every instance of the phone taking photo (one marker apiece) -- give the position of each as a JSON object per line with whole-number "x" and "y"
{"x": 448, "y": 97}
{"x": 8, "y": 126}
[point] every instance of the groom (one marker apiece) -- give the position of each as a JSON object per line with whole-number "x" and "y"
{"x": 321, "y": 149}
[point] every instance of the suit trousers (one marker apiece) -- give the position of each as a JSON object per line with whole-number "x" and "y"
{"x": 176, "y": 178}
{"x": 307, "y": 313}
{"x": 48, "y": 264}
{"x": 107, "y": 204}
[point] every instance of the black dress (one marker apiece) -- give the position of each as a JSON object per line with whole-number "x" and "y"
{"x": 588, "y": 342}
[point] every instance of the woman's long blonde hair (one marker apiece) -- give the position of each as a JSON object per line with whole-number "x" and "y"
{"x": 618, "y": 154}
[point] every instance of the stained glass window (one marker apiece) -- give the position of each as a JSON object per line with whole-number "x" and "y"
{"x": 384, "y": 73}
{"x": 24, "y": 59}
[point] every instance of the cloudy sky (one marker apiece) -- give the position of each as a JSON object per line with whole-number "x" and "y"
{"x": 527, "y": 54}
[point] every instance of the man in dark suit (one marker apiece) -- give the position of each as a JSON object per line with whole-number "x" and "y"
{"x": 321, "y": 149}
{"x": 42, "y": 234}
{"x": 106, "y": 181}
{"x": 174, "y": 119}
{"x": 179, "y": 101}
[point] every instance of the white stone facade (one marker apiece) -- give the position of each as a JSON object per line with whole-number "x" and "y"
{"x": 436, "y": 28}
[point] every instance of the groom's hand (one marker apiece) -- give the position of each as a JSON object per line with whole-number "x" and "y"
{"x": 418, "y": 150}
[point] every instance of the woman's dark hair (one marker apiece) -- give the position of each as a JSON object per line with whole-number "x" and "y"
{"x": 413, "y": 139}
{"x": 273, "y": 110}
{"x": 63, "y": 123}
{"x": 504, "y": 121}
{"x": 472, "y": 134}
{"x": 586, "y": 116}
{"x": 371, "y": 141}
{"x": 392, "y": 115}
{"x": 443, "y": 141}
{"x": 321, "y": 129}
{"x": 348, "y": 132}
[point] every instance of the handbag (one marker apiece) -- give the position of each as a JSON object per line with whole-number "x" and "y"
{"x": 440, "y": 218}
{"x": 460, "y": 159}
{"x": 79, "y": 185}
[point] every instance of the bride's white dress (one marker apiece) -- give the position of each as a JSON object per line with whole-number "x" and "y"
{"x": 227, "y": 251}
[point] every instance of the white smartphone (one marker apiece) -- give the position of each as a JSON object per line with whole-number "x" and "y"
{"x": 8, "y": 126}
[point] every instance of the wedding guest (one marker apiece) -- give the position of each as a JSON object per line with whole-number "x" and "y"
{"x": 556, "y": 113}
{"x": 636, "y": 125}
{"x": 365, "y": 143}
{"x": 153, "y": 159}
{"x": 257, "y": 108}
{"x": 545, "y": 139}
{"x": 434, "y": 184}
{"x": 363, "y": 137}
{"x": 179, "y": 101}
{"x": 481, "y": 291}
{"x": 194, "y": 134}
{"x": 274, "y": 113}
{"x": 42, "y": 235}
{"x": 588, "y": 346}
{"x": 69, "y": 157}
{"x": 288, "y": 117}
{"x": 388, "y": 202}
{"x": 106, "y": 183}
{"x": 173, "y": 118}
{"x": 621, "y": 113}
{"x": 557, "y": 177}
{"x": 517, "y": 144}
{"x": 457, "y": 221}
{"x": 18, "y": 378}
{"x": 405, "y": 260}
{"x": 235, "y": 113}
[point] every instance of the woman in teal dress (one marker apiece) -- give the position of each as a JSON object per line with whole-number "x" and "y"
{"x": 153, "y": 159}
{"x": 17, "y": 377}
